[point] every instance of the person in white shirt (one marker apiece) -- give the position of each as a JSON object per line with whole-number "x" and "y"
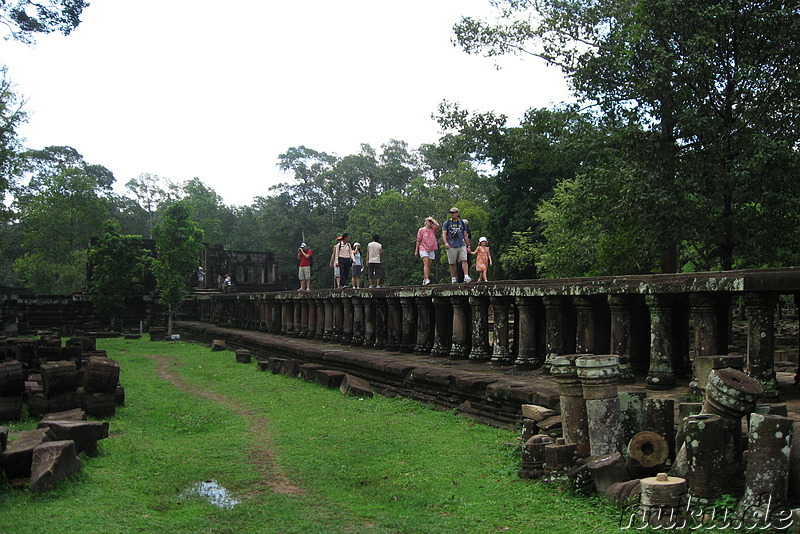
{"x": 374, "y": 256}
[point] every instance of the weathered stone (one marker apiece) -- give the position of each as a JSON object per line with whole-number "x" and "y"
{"x": 631, "y": 413}
{"x": 537, "y": 413}
{"x": 50, "y": 354}
{"x": 68, "y": 415}
{"x": 12, "y": 378}
{"x": 158, "y": 333}
{"x": 573, "y": 407}
{"x": 355, "y": 386}
{"x": 101, "y": 375}
{"x": 767, "y": 475}
{"x": 659, "y": 417}
{"x": 308, "y": 371}
{"x": 529, "y": 429}
{"x": 550, "y": 423}
{"x": 623, "y": 493}
{"x": 599, "y": 376}
{"x": 704, "y": 443}
{"x": 52, "y": 462}
{"x": 534, "y": 456}
{"x": 119, "y": 396}
{"x": 262, "y": 365}
{"x": 11, "y": 408}
{"x": 3, "y": 438}
{"x": 59, "y": 378}
{"x": 39, "y": 404}
{"x": 662, "y": 499}
{"x": 647, "y": 454}
{"x": 85, "y": 434}
{"x": 607, "y": 470}
{"x": 99, "y": 404}
{"x": 85, "y": 343}
{"x": 703, "y": 365}
{"x": 275, "y": 365}
{"x": 330, "y": 379}
{"x": 243, "y": 356}
{"x": 560, "y": 456}
{"x": 16, "y": 459}
{"x": 218, "y": 345}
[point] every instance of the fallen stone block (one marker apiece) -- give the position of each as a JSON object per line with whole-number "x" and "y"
{"x": 550, "y": 423}
{"x": 3, "y": 438}
{"x": 290, "y": 368}
{"x": 262, "y": 365}
{"x": 243, "y": 356}
{"x": 119, "y": 396}
{"x": 85, "y": 434}
{"x": 85, "y": 343}
{"x": 218, "y": 345}
{"x": 59, "y": 377}
{"x": 49, "y": 353}
{"x": 12, "y": 378}
{"x": 32, "y": 388}
{"x": 11, "y": 408}
{"x": 353, "y": 385}
{"x": 40, "y": 404}
{"x": 308, "y": 371}
{"x": 16, "y": 459}
{"x": 52, "y": 462}
{"x": 275, "y": 365}
{"x": 101, "y": 375}
{"x": 330, "y": 379}
{"x": 536, "y": 412}
{"x": 158, "y": 333}
{"x": 68, "y": 415}
{"x": 132, "y": 336}
{"x": 99, "y": 404}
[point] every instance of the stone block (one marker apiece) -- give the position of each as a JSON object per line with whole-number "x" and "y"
{"x": 99, "y": 404}
{"x": 353, "y": 385}
{"x": 85, "y": 434}
{"x": 243, "y": 356}
{"x": 40, "y": 404}
{"x": 119, "y": 396}
{"x": 218, "y": 345}
{"x": 59, "y": 377}
{"x": 274, "y": 365}
{"x": 290, "y": 368}
{"x": 85, "y": 343}
{"x": 69, "y": 415}
{"x": 3, "y": 438}
{"x": 308, "y": 371}
{"x": 52, "y": 462}
{"x": 50, "y": 354}
{"x": 158, "y": 334}
{"x": 11, "y": 408}
{"x": 330, "y": 379}
{"x": 262, "y": 365}
{"x": 101, "y": 375}
{"x": 16, "y": 459}
{"x": 12, "y": 378}
{"x": 536, "y": 412}
{"x": 550, "y": 423}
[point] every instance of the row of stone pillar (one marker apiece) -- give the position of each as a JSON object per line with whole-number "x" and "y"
{"x": 648, "y": 333}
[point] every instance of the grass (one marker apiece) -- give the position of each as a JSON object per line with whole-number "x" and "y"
{"x": 374, "y": 465}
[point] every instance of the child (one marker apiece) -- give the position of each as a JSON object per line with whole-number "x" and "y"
{"x": 357, "y": 267}
{"x": 483, "y": 258}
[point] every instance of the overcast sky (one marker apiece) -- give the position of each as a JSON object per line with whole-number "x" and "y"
{"x": 195, "y": 88}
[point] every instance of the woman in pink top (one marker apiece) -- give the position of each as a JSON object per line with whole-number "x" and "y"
{"x": 426, "y": 247}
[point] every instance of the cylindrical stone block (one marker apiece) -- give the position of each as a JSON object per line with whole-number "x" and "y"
{"x": 599, "y": 376}
{"x": 607, "y": 470}
{"x": 659, "y": 417}
{"x": 703, "y": 365}
{"x": 704, "y": 442}
{"x": 534, "y": 456}
{"x": 560, "y": 456}
{"x": 662, "y": 499}
{"x": 767, "y": 476}
{"x": 573, "y": 407}
{"x": 647, "y": 454}
{"x": 631, "y": 412}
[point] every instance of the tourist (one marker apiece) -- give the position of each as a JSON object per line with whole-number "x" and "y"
{"x": 357, "y": 266}
{"x": 305, "y": 255}
{"x": 201, "y": 277}
{"x": 374, "y": 257}
{"x": 342, "y": 257}
{"x": 336, "y": 273}
{"x": 455, "y": 234}
{"x": 426, "y": 247}
{"x": 227, "y": 284}
{"x": 483, "y": 258}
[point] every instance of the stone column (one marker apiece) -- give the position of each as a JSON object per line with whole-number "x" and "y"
{"x": 703, "y": 365}
{"x": 526, "y": 334}
{"x": 304, "y": 311}
{"x": 369, "y": 322}
{"x": 286, "y": 316}
{"x": 661, "y": 374}
{"x": 443, "y": 318}
{"x": 659, "y": 417}
{"x": 338, "y": 319}
{"x": 575, "y": 425}
{"x": 710, "y": 334}
{"x": 704, "y": 443}
{"x": 381, "y": 323}
{"x": 731, "y": 394}
{"x": 394, "y": 324}
{"x": 320, "y": 319}
{"x": 425, "y": 329}
{"x": 555, "y": 328}
{"x": 619, "y": 307}
{"x": 501, "y": 353}
{"x": 599, "y": 376}
{"x": 358, "y": 322}
{"x": 461, "y": 335}
{"x": 297, "y": 313}
{"x": 767, "y": 477}
{"x": 328, "y": 334}
{"x": 586, "y": 326}
{"x": 347, "y": 321}
{"x": 275, "y": 318}
{"x": 408, "y": 334}
{"x": 479, "y": 309}
{"x": 760, "y": 358}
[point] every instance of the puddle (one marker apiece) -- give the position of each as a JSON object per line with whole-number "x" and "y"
{"x": 213, "y": 493}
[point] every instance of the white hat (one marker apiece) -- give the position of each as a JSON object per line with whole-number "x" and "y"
{"x": 482, "y": 239}
{"x": 356, "y": 244}
{"x": 302, "y": 245}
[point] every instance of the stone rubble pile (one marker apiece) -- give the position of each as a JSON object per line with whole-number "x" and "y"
{"x": 628, "y": 447}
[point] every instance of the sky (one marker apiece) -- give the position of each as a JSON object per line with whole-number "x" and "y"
{"x": 217, "y": 91}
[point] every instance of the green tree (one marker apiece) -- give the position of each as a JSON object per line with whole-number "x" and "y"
{"x": 11, "y": 116}
{"x": 23, "y": 19}
{"x": 60, "y": 209}
{"x": 152, "y": 193}
{"x": 178, "y": 244}
{"x": 119, "y": 264}
{"x": 206, "y": 207}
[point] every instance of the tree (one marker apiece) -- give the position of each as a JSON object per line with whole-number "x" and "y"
{"x": 62, "y": 206}
{"x": 119, "y": 264}
{"x": 206, "y": 207}
{"x": 704, "y": 95}
{"x": 11, "y": 116}
{"x": 25, "y": 18}
{"x": 151, "y": 193}
{"x": 178, "y": 244}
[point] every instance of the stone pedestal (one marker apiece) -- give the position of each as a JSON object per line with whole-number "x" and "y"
{"x": 767, "y": 475}
{"x": 705, "y": 443}
{"x": 661, "y": 373}
{"x": 760, "y": 358}
{"x": 459, "y": 349}
{"x": 443, "y": 318}
{"x": 358, "y": 322}
{"x": 534, "y": 457}
{"x": 662, "y": 500}
{"x": 501, "y": 352}
{"x": 703, "y": 365}
{"x": 599, "y": 376}
{"x": 526, "y": 334}
{"x": 619, "y": 306}
{"x": 479, "y": 307}
{"x": 408, "y": 329}
{"x": 425, "y": 326}
{"x": 573, "y": 407}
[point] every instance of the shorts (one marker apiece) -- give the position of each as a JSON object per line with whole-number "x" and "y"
{"x": 304, "y": 273}
{"x": 375, "y": 271}
{"x": 427, "y": 254}
{"x": 336, "y": 272}
{"x": 455, "y": 255}
{"x": 356, "y": 271}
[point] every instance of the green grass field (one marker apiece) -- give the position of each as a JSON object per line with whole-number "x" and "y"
{"x": 297, "y": 457}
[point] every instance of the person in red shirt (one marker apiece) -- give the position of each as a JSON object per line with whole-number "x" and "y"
{"x": 304, "y": 254}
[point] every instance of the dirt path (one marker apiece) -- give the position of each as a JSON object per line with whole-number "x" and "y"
{"x": 261, "y": 455}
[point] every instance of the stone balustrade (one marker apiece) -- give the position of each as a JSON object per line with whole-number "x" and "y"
{"x": 650, "y": 322}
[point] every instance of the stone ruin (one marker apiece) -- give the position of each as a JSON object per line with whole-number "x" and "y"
{"x": 628, "y": 448}
{"x": 62, "y": 385}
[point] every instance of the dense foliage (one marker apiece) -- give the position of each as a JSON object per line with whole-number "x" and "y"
{"x": 679, "y": 152}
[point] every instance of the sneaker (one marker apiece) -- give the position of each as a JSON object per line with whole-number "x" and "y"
{"x": 426, "y": 282}
{"x": 378, "y": 286}
{"x": 370, "y": 287}
{"x": 453, "y": 279}
{"x": 467, "y": 279}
